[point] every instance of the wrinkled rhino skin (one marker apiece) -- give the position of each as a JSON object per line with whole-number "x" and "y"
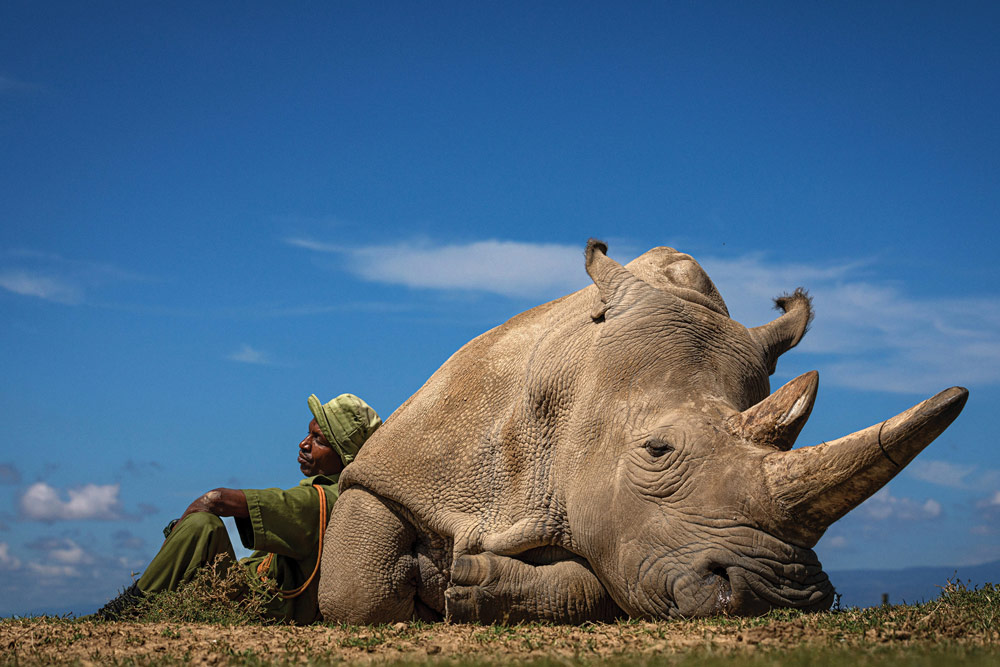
{"x": 616, "y": 452}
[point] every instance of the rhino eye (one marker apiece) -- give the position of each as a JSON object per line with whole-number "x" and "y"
{"x": 658, "y": 447}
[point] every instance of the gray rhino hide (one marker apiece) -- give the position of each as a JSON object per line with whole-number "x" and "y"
{"x": 616, "y": 452}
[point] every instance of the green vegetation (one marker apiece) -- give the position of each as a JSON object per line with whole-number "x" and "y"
{"x": 220, "y": 595}
{"x": 959, "y": 611}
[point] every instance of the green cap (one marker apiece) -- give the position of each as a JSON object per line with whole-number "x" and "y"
{"x": 346, "y": 421}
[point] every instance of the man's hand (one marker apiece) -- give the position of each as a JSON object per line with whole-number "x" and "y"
{"x": 220, "y": 502}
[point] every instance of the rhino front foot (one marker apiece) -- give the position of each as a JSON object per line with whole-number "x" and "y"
{"x": 487, "y": 588}
{"x": 368, "y": 573}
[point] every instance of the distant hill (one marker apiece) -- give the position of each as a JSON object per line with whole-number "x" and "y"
{"x": 864, "y": 588}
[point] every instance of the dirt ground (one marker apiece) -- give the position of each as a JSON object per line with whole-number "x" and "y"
{"x": 55, "y": 641}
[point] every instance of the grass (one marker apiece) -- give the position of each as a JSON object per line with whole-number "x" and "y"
{"x": 798, "y": 657}
{"x": 209, "y": 623}
{"x": 958, "y": 611}
{"x": 221, "y": 595}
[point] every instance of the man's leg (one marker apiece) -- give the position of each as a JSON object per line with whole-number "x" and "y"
{"x": 194, "y": 543}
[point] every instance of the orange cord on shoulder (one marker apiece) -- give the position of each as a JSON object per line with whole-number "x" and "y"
{"x": 266, "y": 563}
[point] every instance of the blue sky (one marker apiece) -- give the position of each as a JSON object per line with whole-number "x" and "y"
{"x": 209, "y": 211}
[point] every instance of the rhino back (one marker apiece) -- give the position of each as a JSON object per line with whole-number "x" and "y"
{"x": 472, "y": 449}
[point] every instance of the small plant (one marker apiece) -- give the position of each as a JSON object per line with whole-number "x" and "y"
{"x": 493, "y": 633}
{"x": 219, "y": 593}
{"x": 366, "y": 643}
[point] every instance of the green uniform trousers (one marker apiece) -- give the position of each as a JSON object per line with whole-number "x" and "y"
{"x": 194, "y": 542}
{"x": 281, "y": 522}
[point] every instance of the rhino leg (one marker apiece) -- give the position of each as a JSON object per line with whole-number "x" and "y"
{"x": 487, "y": 588}
{"x": 368, "y": 573}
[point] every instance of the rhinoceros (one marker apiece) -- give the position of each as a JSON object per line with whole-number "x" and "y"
{"x": 615, "y": 452}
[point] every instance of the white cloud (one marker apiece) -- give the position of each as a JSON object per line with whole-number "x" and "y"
{"x": 988, "y": 513}
{"x": 873, "y": 335}
{"x": 7, "y": 561}
{"x": 883, "y": 505}
{"x": 955, "y": 475}
{"x": 91, "y": 501}
{"x": 62, "y": 551}
{"x": 55, "y": 278}
{"x": 941, "y": 473}
{"x": 69, "y": 552}
{"x": 837, "y": 542}
{"x": 50, "y": 573}
{"x": 318, "y": 246}
{"x": 27, "y": 283}
{"x": 249, "y": 355}
{"x": 508, "y": 268}
{"x": 132, "y": 563}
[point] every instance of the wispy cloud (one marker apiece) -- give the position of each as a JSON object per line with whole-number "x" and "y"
{"x": 509, "y": 268}
{"x": 7, "y": 560}
{"x": 249, "y": 355}
{"x": 50, "y": 572}
{"x": 30, "y": 283}
{"x": 883, "y": 505}
{"x": 318, "y": 246}
{"x": 942, "y": 473}
{"x": 872, "y": 334}
{"x": 42, "y": 502}
{"x": 55, "y": 278}
{"x": 63, "y": 551}
{"x": 955, "y": 475}
{"x": 988, "y": 510}
{"x": 837, "y": 542}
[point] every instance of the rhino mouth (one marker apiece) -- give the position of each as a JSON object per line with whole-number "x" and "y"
{"x": 750, "y": 587}
{"x": 726, "y": 583}
{"x": 752, "y": 594}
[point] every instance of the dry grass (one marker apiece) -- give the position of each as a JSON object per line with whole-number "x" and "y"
{"x": 960, "y": 626}
{"x": 222, "y": 594}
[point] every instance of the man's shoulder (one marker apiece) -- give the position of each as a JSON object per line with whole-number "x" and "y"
{"x": 322, "y": 480}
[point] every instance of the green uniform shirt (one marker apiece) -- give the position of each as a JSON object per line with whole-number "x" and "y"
{"x": 286, "y": 523}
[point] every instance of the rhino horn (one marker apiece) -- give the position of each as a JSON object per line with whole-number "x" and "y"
{"x": 782, "y": 334}
{"x": 777, "y": 420}
{"x": 612, "y": 279}
{"x": 815, "y": 486}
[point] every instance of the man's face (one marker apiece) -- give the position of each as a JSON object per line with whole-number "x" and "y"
{"x": 316, "y": 456}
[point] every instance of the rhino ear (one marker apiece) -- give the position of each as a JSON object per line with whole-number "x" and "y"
{"x": 610, "y": 277}
{"x": 777, "y": 421}
{"x": 784, "y": 333}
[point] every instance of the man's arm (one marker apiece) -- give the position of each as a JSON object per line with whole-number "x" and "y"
{"x": 220, "y": 502}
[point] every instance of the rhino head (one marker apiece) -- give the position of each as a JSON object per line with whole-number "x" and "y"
{"x": 688, "y": 499}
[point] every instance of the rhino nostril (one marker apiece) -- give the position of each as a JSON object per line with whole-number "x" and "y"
{"x": 723, "y": 589}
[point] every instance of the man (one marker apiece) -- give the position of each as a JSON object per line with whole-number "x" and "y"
{"x": 283, "y": 526}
